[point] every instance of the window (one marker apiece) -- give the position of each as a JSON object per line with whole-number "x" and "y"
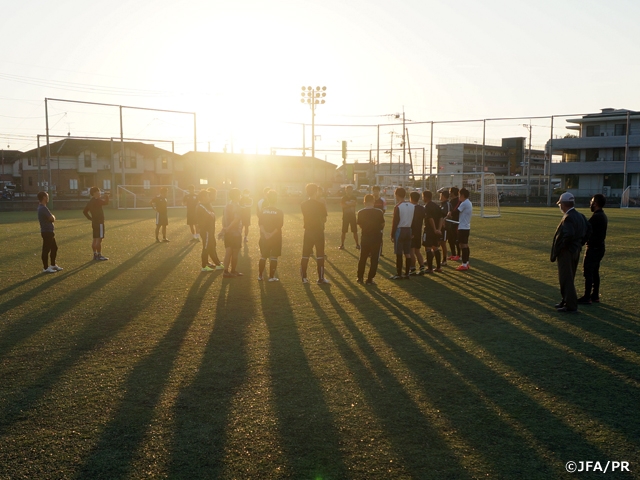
{"x": 147, "y": 184}
{"x": 571, "y": 181}
{"x": 106, "y": 184}
{"x": 73, "y": 184}
{"x": 620, "y": 129}
{"x": 204, "y": 181}
{"x": 618, "y": 154}
{"x": 613, "y": 181}
{"x": 592, "y": 155}
{"x": 87, "y": 159}
{"x": 30, "y": 182}
{"x": 29, "y": 161}
{"x": 593, "y": 130}
{"x": 132, "y": 162}
{"x": 165, "y": 163}
{"x": 570, "y": 156}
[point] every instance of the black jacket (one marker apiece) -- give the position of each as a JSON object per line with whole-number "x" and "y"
{"x": 572, "y": 233}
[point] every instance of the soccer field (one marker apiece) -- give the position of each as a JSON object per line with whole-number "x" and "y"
{"x": 144, "y": 367}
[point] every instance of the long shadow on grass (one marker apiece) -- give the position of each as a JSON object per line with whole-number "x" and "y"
{"x": 493, "y": 280}
{"x": 61, "y": 239}
{"x": 97, "y": 331}
{"x": 423, "y": 449}
{"x": 478, "y": 401}
{"x": 571, "y": 386}
{"x": 30, "y": 323}
{"x": 203, "y": 408}
{"x": 307, "y": 430}
{"x": 52, "y": 281}
{"x": 120, "y": 439}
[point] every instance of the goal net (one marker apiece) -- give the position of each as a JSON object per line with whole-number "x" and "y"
{"x": 483, "y": 190}
{"x": 630, "y": 197}
{"x": 132, "y": 197}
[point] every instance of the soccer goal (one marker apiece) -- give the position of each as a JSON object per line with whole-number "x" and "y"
{"x": 135, "y": 197}
{"x": 132, "y": 197}
{"x": 630, "y": 197}
{"x": 483, "y": 190}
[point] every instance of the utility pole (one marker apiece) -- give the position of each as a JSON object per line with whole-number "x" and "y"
{"x": 392, "y": 133}
{"x": 122, "y": 161}
{"x": 46, "y": 114}
{"x": 475, "y": 168}
{"x": 404, "y": 141}
{"x": 528, "y": 127}
{"x": 626, "y": 154}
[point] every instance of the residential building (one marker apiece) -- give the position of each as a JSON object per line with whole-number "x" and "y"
{"x": 7, "y": 160}
{"x": 285, "y": 174}
{"x": 78, "y": 164}
{"x": 508, "y": 159}
{"x": 394, "y": 174}
{"x": 356, "y": 173}
{"x": 593, "y": 161}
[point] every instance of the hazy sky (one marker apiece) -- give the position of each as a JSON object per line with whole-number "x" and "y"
{"x": 240, "y": 65}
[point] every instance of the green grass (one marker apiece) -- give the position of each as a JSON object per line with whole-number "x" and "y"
{"x": 142, "y": 367}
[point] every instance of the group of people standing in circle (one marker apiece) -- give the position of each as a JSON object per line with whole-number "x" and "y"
{"x": 418, "y": 222}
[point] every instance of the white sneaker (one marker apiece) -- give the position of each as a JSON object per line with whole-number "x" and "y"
{"x": 259, "y": 278}
{"x": 323, "y": 281}
{"x": 57, "y": 268}
{"x": 274, "y": 279}
{"x": 49, "y": 270}
{"x": 305, "y": 280}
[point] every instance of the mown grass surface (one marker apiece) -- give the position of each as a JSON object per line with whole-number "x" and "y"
{"x": 142, "y": 367}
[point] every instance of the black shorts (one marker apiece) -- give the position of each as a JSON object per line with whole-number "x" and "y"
{"x": 443, "y": 235}
{"x": 402, "y": 244}
{"x": 430, "y": 239}
{"x": 463, "y": 236}
{"x": 452, "y": 231}
{"x": 162, "y": 219}
{"x": 270, "y": 248}
{"x": 349, "y": 221}
{"x": 233, "y": 240}
{"x": 98, "y": 230}
{"x": 313, "y": 238}
{"x": 416, "y": 240}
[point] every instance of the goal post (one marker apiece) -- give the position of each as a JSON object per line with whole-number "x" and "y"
{"x": 138, "y": 197}
{"x": 483, "y": 190}
{"x": 630, "y": 197}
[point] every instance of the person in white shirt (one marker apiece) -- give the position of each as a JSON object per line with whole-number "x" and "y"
{"x": 401, "y": 232}
{"x": 464, "y": 227}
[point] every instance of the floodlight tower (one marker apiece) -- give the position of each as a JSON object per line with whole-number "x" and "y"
{"x": 313, "y": 97}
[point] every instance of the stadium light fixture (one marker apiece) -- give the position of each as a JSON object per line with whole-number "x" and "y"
{"x": 312, "y": 97}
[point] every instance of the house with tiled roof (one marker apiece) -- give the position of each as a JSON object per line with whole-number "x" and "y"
{"x": 78, "y": 164}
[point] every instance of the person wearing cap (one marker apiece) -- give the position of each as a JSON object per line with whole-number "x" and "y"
{"x": 571, "y": 234}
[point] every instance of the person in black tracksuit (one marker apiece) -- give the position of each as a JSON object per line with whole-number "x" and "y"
{"x": 206, "y": 221}
{"x": 595, "y": 251}
{"x": 371, "y": 223}
{"x": 452, "y": 224}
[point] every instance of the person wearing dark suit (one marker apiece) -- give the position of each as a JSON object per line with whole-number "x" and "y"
{"x": 570, "y": 236}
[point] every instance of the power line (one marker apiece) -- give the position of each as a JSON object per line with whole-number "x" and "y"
{"x": 80, "y": 87}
